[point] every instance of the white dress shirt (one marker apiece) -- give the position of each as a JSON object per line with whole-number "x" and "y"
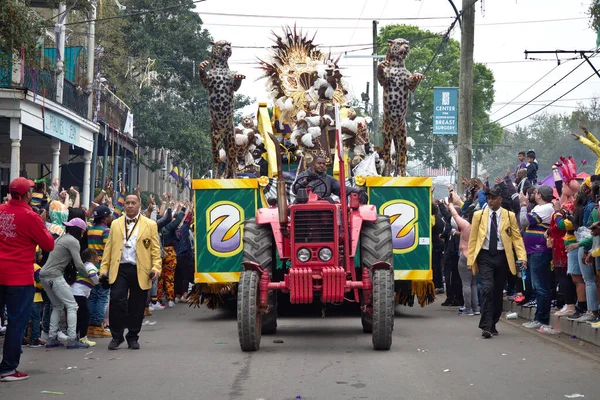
{"x": 486, "y": 242}
{"x": 128, "y": 255}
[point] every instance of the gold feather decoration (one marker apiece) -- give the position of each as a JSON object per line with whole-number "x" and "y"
{"x": 300, "y": 76}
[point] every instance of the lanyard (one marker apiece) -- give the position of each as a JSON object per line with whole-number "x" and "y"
{"x": 129, "y": 234}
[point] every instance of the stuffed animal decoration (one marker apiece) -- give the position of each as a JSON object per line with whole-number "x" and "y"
{"x": 397, "y": 82}
{"x": 355, "y": 135}
{"x": 247, "y": 137}
{"x": 221, "y": 83}
{"x": 307, "y": 132}
{"x": 303, "y": 83}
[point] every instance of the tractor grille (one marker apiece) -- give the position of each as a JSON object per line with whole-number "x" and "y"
{"x": 312, "y": 226}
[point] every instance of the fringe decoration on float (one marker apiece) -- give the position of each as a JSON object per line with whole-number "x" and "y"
{"x": 407, "y": 290}
{"x": 210, "y": 294}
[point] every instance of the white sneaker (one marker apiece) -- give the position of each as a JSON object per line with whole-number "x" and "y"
{"x": 45, "y": 336}
{"x": 588, "y": 316}
{"x": 532, "y": 325}
{"x": 62, "y": 337}
{"x": 170, "y": 304}
{"x": 156, "y": 307}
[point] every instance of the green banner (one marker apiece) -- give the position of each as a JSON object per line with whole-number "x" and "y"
{"x": 220, "y": 213}
{"x": 409, "y": 209}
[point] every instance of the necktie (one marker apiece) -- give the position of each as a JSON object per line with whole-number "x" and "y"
{"x": 131, "y": 220}
{"x": 494, "y": 235}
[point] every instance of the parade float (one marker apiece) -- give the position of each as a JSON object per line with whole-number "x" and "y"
{"x": 257, "y": 164}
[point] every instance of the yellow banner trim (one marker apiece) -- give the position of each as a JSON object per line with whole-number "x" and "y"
{"x": 413, "y": 275}
{"x": 216, "y": 277}
{"x": 250, "y": 183}
{"x": 379, "y": 181}
{"x": 231, "y": 277}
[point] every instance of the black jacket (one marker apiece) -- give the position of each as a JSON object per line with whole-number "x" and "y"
{"x": 309, "y": 178}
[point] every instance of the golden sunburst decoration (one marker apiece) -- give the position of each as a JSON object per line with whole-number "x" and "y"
{"x": 300, "y": 75}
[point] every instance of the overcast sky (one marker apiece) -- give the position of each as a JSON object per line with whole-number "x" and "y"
{"x": 499, "y": 45}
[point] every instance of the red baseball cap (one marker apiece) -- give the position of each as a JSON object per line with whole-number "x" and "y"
{"x": 21, "y": 185}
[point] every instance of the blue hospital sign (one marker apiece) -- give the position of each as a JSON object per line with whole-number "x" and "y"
{"x": 445, "y": 111}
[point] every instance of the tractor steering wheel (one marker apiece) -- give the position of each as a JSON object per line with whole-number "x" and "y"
{"x": 305, "y": 181}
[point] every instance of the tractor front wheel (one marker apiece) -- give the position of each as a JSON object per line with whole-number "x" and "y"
{"x": 383, "y": 309}
{"x": 249, "y": 320}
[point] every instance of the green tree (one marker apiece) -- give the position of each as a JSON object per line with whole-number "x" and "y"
{"x": 443, "y": 72}
{"x": 153, "y": 60}
{"x": 549, "y": 135}
{"x": 20, "y": 28}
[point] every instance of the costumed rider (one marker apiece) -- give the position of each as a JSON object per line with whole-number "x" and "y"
{"x": 322, "y": 184}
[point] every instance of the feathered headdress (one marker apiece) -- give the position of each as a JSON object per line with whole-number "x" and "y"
{"x": 300, "y": 76}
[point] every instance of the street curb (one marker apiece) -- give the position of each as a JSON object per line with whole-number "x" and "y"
{"x": 582, "y": 331}
{"x": 553, "y": 339}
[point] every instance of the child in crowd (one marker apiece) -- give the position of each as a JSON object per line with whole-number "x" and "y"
{"x": 521, "y": 164}
{"x": 532, "y": 167}
{"x": 81, "y": 291}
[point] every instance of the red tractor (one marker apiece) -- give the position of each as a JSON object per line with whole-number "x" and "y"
{"x": 317, "y": 242}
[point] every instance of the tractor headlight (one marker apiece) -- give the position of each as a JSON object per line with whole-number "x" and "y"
{"x": 325, "y": 254}
{"x": 303, "y": 255}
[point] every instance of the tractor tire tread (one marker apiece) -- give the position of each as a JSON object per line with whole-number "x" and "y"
{"x": 383, "y": 309}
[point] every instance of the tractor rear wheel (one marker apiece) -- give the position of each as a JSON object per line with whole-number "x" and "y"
{"x": 259, "y": 248}
{"x": 249, "y": 320}
{"x": 383, "y": 309}
{"x": 375, "y": 245}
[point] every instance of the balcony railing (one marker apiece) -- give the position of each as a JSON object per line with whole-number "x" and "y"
{"x": 112, "y": 111}
{"x": 41, "y": 82}
{"x": 74, "y": 99}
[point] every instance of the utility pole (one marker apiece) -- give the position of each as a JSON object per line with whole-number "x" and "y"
{"x": 61, "y": 19}
{"x": 465, "y": 92}
{"x": 376, "y": 133}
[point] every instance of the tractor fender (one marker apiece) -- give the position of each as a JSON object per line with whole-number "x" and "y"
{"x": 368, "y": 213}
{"x": 271, "y": 216}
{"x": 364, "y": 213}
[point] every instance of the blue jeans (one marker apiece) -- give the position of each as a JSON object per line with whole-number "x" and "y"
{"x": 539, "y": 268}
{"x": 46, "y": 317}
{"x": 591, "y": 294}
{"x": 18, "y": 300}
{"x": 36, "y": 310}
{"x": 97, "y": 303}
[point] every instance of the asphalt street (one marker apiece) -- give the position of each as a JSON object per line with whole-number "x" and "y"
{"x": 194, "y": 354}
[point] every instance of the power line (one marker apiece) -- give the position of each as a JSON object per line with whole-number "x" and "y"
{"x": 321, "y": 45}
{"x": 545, "y": 91}
{"x": 358, "y": 21}
{"x": 532, "y": 22}
{"x": 532, "y": 85}
{"x": 322, "y": 18}
{"x": 554, "y": 101}
{"x": 134, "y": 14}
{"x": 369, "y": 27}
{"x": 578, "y": 99}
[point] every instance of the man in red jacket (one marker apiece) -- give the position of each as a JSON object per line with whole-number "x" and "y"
{"x": 21, "y": 231}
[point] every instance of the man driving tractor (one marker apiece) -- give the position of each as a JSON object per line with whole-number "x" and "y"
{"x": 322, "y": 184}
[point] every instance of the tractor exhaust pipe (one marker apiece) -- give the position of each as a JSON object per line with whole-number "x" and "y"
{"x": 282, "y": 205}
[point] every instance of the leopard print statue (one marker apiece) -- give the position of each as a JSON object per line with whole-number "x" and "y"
{"x": 221, "y": 83}
{"x": 397, "y": 82}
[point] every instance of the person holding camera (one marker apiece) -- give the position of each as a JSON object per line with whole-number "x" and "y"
{"x": 131, "y": 261}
